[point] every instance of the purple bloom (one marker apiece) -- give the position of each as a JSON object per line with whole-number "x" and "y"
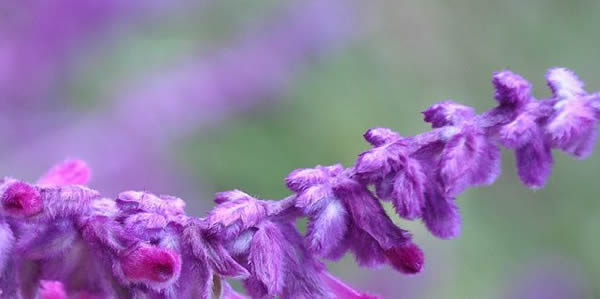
{"x": 341, "y": 212}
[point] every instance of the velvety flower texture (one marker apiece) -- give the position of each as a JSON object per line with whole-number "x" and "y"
{"x": 59, "y": 238}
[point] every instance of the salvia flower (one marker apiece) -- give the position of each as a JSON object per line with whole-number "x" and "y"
{"x": 60, "y": 238}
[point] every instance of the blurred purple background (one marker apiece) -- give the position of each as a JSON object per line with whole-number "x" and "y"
{"x": 190, "y": 97}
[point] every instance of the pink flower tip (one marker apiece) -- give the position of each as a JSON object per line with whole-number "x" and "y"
{"x": 408, "y": 259}
{"x": 21, "y": 200}
{"x": 151, "y": 265}
{"x": 69, "y": 172}
{"x": 50, "y": 289}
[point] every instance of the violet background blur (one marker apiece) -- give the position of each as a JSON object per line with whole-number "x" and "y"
{"x": 198, "y": 96}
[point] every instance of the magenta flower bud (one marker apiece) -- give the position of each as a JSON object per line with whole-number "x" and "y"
{"x": 52, "y": 290}
{"x": 408, "y": 259}
{"x": 511, "y": 88}
{"x": 21, "y": 200}
{"x": 69, "y": 172}
{"x": 157, "y": 267}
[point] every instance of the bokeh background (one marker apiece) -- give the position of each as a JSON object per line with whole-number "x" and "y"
{"x": 191, "y": 97}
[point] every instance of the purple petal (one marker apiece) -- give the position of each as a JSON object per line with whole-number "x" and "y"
{"x": 367, "y": 251}
{"x": 67, "y": 201}
{"x": 104, "y": 232}
{"x": 327, "y": 229}
{"x": 380, "y": 136}
{"x": 511, "y": 88}
{"x": 303, "y": 178}
{"x": 230, "y": 218}
{"x": 384, "y": 187}
{"x": 564, "y": 83}
{"x": 141, "y": 222}
{"x": 534, "y": 162}
{"x": 458, "y": 161}
{"x": 310, "y": 199}
{"x": 302, "y": 275}
{"x": 267, "y": 257}
{"x": 367, "y": 214}
{"x": 213, "y": 252}
{"x": 487, "y": 165}
{"x": 441, "y": 216}
{"x": 7, "y": 240}
{"x": 69, "y": 172}
{"x": 519, "y": 132}
{"x": 408, "y": 190}
{"x": 380, "y": 161}
{"x": 133, "y": 201}
{"x": 224, "y": 264}
{"x": 231, "y": 195}
{"x": 447, "y": 113}
{"x": 584, "y": 146}
{"x": 572, "y": 122}
{"x": 47, "y": 240}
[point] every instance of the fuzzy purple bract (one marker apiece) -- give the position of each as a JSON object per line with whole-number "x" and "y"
{"x": 60, "y": 238}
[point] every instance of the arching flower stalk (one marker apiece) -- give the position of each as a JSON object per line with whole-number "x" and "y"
{"x": 61, "y": 238}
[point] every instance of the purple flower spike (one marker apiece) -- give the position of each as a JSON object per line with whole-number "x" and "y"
{"x": 52, "y": 290}
{"x": 142, "y": 245}
{"x": 511, "y": 88}
{"x": 69, "y": 172}
{"x": 447, "y": 113}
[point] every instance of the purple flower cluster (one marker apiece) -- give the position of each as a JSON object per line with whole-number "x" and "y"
{"x": 59, "y": 238}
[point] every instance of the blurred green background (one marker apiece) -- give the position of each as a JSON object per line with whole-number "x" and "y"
{"x": 403, "y": 56}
